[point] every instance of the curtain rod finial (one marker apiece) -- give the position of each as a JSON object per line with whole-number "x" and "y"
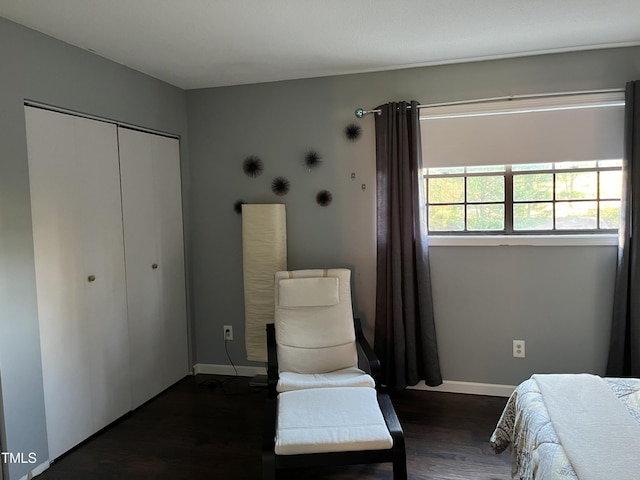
{"x": 360, "y": 112}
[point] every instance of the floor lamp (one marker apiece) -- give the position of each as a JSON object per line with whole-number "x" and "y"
{"x": 264, "y": 252}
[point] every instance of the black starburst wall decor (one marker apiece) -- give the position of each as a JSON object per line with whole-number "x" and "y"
{"x": 253, "y": 166}
{"x": 238, "y": 206}
{"x": 312, "y": 159}
{"x": 324, "y": 198}
{"x": 352, "y": 132}
{"x": 280, "y": 186}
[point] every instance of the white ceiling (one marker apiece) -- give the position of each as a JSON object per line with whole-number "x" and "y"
{"x": 209, "y": 43}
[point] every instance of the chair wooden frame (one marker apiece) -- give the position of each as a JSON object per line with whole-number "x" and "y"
{"x": 271, "y": 462}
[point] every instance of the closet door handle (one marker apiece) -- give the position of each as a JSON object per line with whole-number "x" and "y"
{"x": 91, "y": 278}
{"x": 154, "y": 266}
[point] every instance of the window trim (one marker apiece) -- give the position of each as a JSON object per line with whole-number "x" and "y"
{"x": 590, "y": 240}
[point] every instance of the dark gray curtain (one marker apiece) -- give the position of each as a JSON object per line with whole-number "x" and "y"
{"x": 405, "y": 335}
{"x": 624, "y": 347}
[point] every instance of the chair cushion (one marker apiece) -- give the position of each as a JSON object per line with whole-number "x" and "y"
{"x": 308, "y": 292}
{"x": 347, "y": 377}
{"x": 315, "y": 339}
{"x": 321, "y": 420}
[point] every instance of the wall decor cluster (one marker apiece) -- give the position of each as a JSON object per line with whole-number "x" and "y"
{"x": 352, "y": 132}
{"x": 253, "y": 166}
{"x": 280, "y": 186}
{"x": 324, "y": 198}
{"x": 312, "y": 159}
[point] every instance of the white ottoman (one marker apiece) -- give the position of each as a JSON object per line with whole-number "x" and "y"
{"x": 320, "y": 420}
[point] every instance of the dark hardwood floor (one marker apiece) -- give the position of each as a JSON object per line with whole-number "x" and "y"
{"x": 210, "y": 427}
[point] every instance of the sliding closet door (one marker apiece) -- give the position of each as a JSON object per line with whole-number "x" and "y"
{"x": 80, "y": 276}
{"x": 152, "y": 214}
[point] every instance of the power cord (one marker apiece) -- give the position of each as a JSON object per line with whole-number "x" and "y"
{"x": 226, "y": 349}
{"x": 222, "y": 384}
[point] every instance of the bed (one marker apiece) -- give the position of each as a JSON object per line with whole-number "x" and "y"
{"x": 566, "y": 427}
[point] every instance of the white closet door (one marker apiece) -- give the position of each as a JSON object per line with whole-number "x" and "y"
{"x": 152, "y": 214}
{"x": 80, "y": 277}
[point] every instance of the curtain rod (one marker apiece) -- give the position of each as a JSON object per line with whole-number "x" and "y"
{"x": 361, "y": 112}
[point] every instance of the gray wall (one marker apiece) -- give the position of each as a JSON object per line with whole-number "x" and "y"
{"x": 36, "y": 67}
{"x": 557, "y": 299}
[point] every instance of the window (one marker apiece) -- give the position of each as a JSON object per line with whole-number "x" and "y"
{"x": 564, "y": 197}
{"x": 545, "y": 166}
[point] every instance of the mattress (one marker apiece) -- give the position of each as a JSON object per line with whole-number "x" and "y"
{"x": 526, "y": 429}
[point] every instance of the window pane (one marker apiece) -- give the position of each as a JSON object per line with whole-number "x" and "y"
{"x": 610, "y": 163}
{"x": 576, "y": 185}
{"x": 533, "y": 187}
{"x": 485, "y": 189}
{"x": 445, "y": 171}
{"x": 559, "y": 197}
{"x": 610, "y": 214}
{"x": 611, "y": 184}
{"x": 489, "y": 168}
{"x": 566, "y": 165}
{"x": 446, "y": 190}
{"x": 533, "y": 216}
{"x": 446, "y": 218}
{"x": 576, "y": 215}
{"x": 485, "y": 217}
{"x": 532, "y": 166}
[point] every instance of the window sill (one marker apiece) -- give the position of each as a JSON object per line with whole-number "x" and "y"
{"x": 522, "y": 240}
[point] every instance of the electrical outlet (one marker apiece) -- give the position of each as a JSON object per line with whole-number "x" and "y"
{"x": 518, "y": 348}
{"x": 228, "y": 332}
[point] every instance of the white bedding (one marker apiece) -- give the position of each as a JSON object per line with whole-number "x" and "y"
{"x": 526, "y": 428}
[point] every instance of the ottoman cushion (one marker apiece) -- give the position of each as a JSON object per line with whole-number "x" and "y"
{"x": 320, "y": 420}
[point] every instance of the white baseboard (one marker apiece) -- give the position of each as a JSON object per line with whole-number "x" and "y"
{"x": 449, "y": 386}
{"x": 472, "y": 388}
{"x": 213, "y": 369}
{"x": 40, "y": 468}
{"x": 36, "y": 471}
